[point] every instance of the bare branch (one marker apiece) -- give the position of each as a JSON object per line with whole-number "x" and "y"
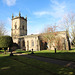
{"x": 2, "y": 29}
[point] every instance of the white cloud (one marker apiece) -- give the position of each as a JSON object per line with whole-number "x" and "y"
{"x": 9, "y": 2}
{"x": 56, "y": 10}
{"x": 41, "y": 13}
{"x": 54, "y": 2}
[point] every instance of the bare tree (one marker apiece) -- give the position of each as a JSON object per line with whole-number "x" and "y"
{"x": 58, "y": 43}
{"x": 49, "y": 35}
{"x": 73, "y": 42}
{"x": 68, "y": 23}
{"x": 3, "y": 30}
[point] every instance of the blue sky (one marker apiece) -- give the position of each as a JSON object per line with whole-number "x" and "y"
{"x": 40, "y": 13}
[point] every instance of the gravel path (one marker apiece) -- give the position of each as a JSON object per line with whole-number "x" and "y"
{"x": 54, "y": 61}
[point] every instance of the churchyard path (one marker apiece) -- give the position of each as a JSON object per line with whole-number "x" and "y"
{"x": 64, "y": 63}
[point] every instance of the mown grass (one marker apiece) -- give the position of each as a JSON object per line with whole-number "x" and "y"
{"x": 22, "y": 51}
{"x": 63, "y": 55}
{"x": 20, "y": 65}
{"x": 60, "y": 54}
{"x": 1, "y": 50}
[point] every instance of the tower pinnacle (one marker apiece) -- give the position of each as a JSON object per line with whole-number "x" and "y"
{"x": 19, "y": 14}
{"x": 26, "y": 17}
{"x": 12, "y": 16}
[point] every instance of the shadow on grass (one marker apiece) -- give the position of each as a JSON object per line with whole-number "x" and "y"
{"x": 69, "y": 56}
{"x": 21, "y": 51}
{"x": 8, "y": 65}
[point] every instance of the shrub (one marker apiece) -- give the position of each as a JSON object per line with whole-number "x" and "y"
{"x": 5, "y": 42}
{"x": 15, "y": 46}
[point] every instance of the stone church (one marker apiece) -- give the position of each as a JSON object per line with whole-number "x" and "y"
{"x": 29, "y": 42}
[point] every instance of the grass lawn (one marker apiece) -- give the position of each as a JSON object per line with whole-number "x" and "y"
{"x": 19, "y": 65}
{"x": 22, "y": 51}
{"x": 64, "y": 54}
{"x": 60, "y": 54}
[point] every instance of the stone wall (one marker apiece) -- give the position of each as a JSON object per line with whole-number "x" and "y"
{"x": 32, "y": 42}
{"x": 29, "y": 42}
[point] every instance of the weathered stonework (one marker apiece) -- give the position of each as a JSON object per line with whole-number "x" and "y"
{"x": 29, "y": 42}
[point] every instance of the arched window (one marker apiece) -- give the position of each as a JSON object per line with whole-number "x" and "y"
{"x": 19, "y": 43}
{"x": 27, "y": 45}
{"x": 32, "y": 43}
{"x": 23, "y": 43}
{"x": 15, "y": 26}
{"x": 23, "y": 27}
{"x": 37, "y": 45}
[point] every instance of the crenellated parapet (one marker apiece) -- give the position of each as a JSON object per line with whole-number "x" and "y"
{"x": 25, "y": 18}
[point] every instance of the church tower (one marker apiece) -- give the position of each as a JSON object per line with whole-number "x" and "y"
{"x": 19, "y": 26}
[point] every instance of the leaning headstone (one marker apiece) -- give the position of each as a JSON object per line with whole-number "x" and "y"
{"x": 11, "y": 54}
{"x": 55, "y": 50}
{"x": 32, "y": 52}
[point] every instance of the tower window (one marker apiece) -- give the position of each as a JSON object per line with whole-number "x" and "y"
{"x": 15, "y": 26}
{"x": 23, "y": 27}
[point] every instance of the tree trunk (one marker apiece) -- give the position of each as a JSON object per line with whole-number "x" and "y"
{"x": 4, "y": 51}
